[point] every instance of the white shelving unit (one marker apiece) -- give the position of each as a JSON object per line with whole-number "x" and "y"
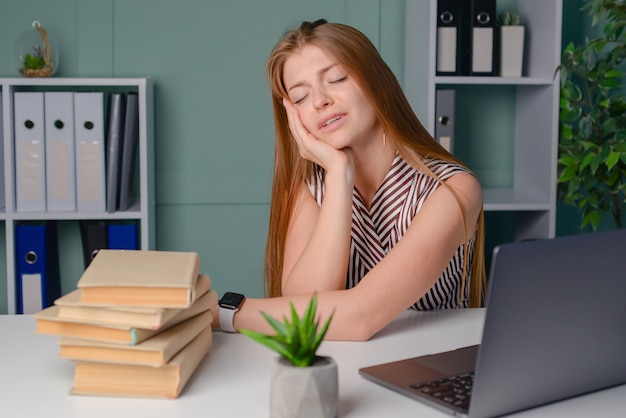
{"x": 142, "y": 209}
{"x": 534, "y": 97}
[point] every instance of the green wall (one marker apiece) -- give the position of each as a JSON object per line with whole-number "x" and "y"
{"x": 213, "y": 120}
{"x": 214, "y": 129}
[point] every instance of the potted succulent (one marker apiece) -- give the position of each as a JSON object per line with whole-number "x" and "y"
{"x": 511, "y": 44}
{"x": 592, "y": 137}
{"x": 303, "y": 383}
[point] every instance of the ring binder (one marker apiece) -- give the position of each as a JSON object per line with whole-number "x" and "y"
{"x": 451, "y": 37}
{"x": 444, "y": 115}
{"x": 483, "y": 21}
{"x": 37, "y": 266}
{"x": 90, "y": 160}
{"x": 30, "y": 150}
{"x": 60, "y": 159}
{"x": 115, "y": 131}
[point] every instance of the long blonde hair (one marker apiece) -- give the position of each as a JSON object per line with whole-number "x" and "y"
{"x": 359, "y": 57}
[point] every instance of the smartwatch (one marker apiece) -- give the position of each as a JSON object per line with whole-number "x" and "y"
{"x": 229, "y": 304}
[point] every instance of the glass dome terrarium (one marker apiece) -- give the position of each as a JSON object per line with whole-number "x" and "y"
{"x": 36, "y": 53}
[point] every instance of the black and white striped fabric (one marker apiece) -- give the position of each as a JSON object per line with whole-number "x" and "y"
{"x": 377, "y": 230}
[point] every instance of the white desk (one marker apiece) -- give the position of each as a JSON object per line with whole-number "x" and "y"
{"x": 233, "y": 380}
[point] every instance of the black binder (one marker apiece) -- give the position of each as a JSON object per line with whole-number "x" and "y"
{"x": 447, "y": 37}
{"x": 129, "y": 151}
{"x": 117, "y": 111}
{"x": 94, "y": 238}
{"x": 482, "y": 35}
{"x": 452, "y": 37}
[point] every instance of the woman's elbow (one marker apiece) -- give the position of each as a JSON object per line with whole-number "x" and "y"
{"x": 355, "y": 330}
{"x": 364, "y": 335}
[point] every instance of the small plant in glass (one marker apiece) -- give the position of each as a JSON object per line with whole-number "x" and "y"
{"x": 36, "y": 53}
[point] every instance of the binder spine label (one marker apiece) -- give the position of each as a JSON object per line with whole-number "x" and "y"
{"x": 446, "y": 49}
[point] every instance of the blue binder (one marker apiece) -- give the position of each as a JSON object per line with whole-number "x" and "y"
{"x": 122, "y": 236}
{"x": 37, "y": 266}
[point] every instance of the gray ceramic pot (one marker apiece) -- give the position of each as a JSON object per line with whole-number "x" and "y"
{"x": 305, "y": 392}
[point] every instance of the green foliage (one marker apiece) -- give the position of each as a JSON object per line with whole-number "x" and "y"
{"x": 33, "y": 62}
{"x": 509, "y": 19}
{"x": 296, "y": 340}
{"x": 592, "y": 137}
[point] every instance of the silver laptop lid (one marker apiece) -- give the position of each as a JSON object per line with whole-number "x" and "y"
{"x": 556, "y": 322}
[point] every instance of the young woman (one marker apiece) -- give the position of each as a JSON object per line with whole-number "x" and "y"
{"x": 367, "y": 210}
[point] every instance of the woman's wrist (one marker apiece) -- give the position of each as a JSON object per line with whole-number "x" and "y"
{"x": 215, "y": 321}
{"x": 229, "y": 305}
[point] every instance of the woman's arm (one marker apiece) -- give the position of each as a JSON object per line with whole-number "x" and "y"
{"x": 401, "y": 278}
{"x": 317, "y": 245}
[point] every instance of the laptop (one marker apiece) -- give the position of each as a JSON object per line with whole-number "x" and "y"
{"x": 555, "y": 328}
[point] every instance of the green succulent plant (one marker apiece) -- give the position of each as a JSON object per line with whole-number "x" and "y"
{"x": 33, "y": 62}
{"x": 509, "y": 19}
{"x": 296, "y": 340}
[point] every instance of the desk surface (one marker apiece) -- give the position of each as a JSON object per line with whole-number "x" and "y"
{"x": 233, "y": 380}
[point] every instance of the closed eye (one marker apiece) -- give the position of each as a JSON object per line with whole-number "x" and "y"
{"x": 338, "y": 80}
{"x": 300, "y": 100}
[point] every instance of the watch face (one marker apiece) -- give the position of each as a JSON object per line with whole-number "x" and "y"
{"x": 232, "y": 300}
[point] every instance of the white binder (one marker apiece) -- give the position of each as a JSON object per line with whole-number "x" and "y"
{"x": 60, "y": 162}
{"x": 90, "y": 163}
{"x": 30, "y": 165}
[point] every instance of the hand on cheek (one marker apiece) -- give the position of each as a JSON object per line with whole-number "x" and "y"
{"x": 311, "y": 148}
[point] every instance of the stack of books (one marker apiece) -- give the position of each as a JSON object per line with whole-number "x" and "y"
{"x": 138, "y": 324}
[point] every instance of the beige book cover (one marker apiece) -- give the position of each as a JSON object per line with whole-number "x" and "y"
{"x": 166, "y": 279}
{"x": 71, "y": 308}
{"x": 49, "y": 323}
{"x": 124, "y": 380}
{"x": 155, "y": 351}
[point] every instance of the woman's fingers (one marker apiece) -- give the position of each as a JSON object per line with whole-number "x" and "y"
{"x": 305, "y": 140}
{"x": 310, "y": 147}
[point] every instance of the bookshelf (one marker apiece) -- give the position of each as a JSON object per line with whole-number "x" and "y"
{"x": 521, "y": 180}
{"x": 142, "y": 209}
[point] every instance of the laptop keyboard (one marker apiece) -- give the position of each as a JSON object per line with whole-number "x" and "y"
{"x": 454, "y": 390}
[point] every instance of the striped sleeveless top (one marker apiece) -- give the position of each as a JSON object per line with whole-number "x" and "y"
{"x": 377, "y": 230}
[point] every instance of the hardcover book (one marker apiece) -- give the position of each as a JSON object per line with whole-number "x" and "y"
{"x": 155, "y": 351}
{"x": 168, "y": 381}
{"x": 166, "y": 279}
{"x": 71, "y": 309}
{"x": 49, "y": 323}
